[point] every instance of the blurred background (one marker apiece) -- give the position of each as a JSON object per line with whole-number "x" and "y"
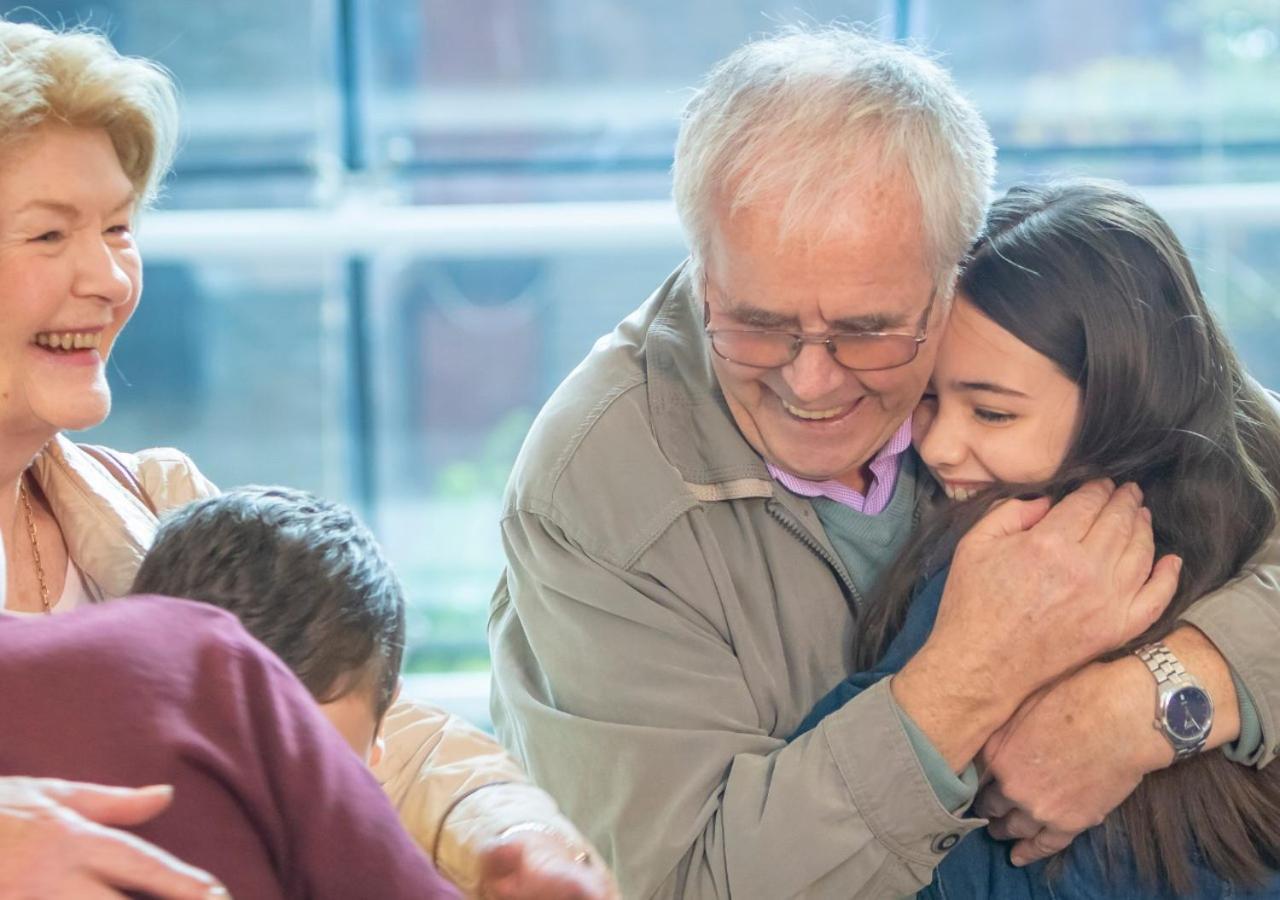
{"x": 395, "y": 225}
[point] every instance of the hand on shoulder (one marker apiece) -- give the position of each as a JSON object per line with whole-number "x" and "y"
{"x": 56, "y": 841}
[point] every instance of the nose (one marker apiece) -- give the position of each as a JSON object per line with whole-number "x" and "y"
{"x": 99, "y": 273}
{"x": 939, "y": 439}
{"x": 814, "y": 374}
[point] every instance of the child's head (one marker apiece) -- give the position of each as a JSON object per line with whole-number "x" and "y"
{"x": 307, "y": 580}
{"x": 1080, "y": 345}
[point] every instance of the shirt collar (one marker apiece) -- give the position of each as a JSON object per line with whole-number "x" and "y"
{"x": 884, "y": 467}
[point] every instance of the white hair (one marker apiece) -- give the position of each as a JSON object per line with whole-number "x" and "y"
{"x": 795, "y": 116}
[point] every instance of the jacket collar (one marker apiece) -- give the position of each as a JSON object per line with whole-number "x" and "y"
{"x": 106, "y": 528}
{"x": 691, "y": 420}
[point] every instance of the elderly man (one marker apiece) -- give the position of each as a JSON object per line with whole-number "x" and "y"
{"x": 674, "y": 602}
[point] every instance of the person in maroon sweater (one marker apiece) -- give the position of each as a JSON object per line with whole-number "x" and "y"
{"x": 267, "y": 796}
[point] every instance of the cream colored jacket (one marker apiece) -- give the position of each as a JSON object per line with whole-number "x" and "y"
{"x": 435, "y": 764}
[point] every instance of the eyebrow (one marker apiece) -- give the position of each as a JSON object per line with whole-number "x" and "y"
{"x": 763, "y": 318}
{"x": 70, "y": 211}
{"x": 987, "y": 387}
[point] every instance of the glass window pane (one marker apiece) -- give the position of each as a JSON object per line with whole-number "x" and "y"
{"x": 242, "y": 365}
{"x": 549, "y": 87}
{"x": 257, "y": 83}
{"x": 467, "y": 352}
{"x": 1151, "y": 91}
{"x": 1239, "y": 272}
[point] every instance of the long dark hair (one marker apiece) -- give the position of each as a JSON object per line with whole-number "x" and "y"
{"x": 1094, "y": 279}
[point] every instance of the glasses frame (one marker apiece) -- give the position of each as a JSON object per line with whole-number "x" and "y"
{"x": 827, "y": 339}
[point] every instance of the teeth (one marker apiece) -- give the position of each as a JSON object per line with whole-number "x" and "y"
{"x": 814, "y": 414}
{"x": 960, "y": 493}
{"x": 69, "y": 340}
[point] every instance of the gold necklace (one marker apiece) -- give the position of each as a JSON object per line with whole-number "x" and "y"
{"x": 35, "y": 544}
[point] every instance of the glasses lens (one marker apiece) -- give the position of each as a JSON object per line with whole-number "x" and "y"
{"x": 868, "y": 353}
{"x": 754, "y": 348}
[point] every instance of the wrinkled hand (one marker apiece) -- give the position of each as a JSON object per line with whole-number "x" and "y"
{"x": 1074, "y": 752}
{"x": 55, "y": 843}
{"x": 535, "y": 865}
{"x": 1034, "y": 593}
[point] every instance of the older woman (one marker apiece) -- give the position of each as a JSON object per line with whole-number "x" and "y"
{"x": 86, "y": 135}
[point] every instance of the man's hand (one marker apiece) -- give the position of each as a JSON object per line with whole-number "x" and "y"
{"x": 1073, "y": 753}
{"x": 539, "y": 865}
{"x": 1033, "y": 593}
{"x": 1079, "y": 747}
{"x": 54, "y": 843}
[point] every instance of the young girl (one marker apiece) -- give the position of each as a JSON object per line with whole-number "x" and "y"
{"x": 1080, "y": 346}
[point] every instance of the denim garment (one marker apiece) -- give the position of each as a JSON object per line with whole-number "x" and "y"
{"x": 979, "y": 865}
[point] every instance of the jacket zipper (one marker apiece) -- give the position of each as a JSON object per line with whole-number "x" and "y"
{"x": 802, "y": 534}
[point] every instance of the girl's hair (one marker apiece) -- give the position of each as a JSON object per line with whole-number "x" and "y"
{"x": 77, "y": 78}
{"x": 1094, "y": 279}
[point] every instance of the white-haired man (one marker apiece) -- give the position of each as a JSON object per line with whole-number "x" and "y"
{"x": 674, "y": 603}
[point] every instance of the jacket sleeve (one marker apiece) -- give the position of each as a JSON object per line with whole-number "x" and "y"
{"x": 630, "y": 707}
{"x": 1242, "y": 618}
{"x": 455, "y": 788}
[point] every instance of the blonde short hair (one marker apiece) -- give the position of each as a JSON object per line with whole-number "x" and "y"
{"x": 78, "y": 78}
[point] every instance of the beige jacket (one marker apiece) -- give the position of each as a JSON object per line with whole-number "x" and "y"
{"x": 669, "y": 614}
{"x": 434, "y": 764}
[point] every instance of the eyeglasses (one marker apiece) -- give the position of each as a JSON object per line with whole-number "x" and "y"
{"x": 861, "y": 351}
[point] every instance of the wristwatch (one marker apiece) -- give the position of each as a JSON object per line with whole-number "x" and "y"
{"x": 1184, "y": 710}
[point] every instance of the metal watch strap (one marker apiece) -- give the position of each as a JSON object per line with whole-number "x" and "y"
{"x": 1168, "y": 670}
{"x": 1163, "y": 664}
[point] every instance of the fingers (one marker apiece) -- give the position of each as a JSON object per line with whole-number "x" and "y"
{"x": 1042, "y": 845}
{"x": 109, "y": 805}
{"x": 1011, "y": 517}
{"x": 991, "y": 804}
{"x": 127, "y": 862}
{"x": 1017, "y": 824}
{"x": 512, "y": 869}
{"x": 1116, "y": 522}
{"x": 1076, "y": 513}
{"x": 1134, "y": 565}
{"x": 501, "y": 859}
{"x": 1154, "y": 596}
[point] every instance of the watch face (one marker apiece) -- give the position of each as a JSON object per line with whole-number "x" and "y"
{"x": 1188, "y": 713}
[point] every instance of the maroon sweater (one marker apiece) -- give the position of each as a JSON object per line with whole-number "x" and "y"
{"x": 268, "y": 797}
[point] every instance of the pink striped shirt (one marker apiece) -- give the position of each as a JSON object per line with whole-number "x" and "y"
{"x": 884, "y": 475}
